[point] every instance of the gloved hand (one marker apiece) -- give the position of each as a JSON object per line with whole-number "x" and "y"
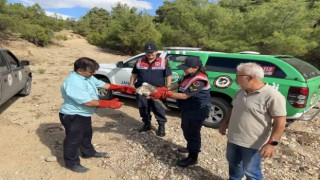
{"x": 124, "y": 88}
{"x": 113, "y": 103}
{"x": 161, "y": 93}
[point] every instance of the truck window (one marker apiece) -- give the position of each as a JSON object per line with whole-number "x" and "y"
{"x": 12, "y": 60}
{"x": 3, "y": 65}
{"x": 229, "y": 65}
{"x": 307, "y": 70}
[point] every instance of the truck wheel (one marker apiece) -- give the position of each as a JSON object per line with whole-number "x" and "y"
{"x": 219, "y": 109}
{"x": 103, "y": 93}
{"x": 27, "y": 88}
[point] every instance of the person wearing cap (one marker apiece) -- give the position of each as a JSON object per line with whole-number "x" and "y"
{"x": 194, "y": 101}
{"x": 155, "y": 71}
{"x": 255, "y": 123}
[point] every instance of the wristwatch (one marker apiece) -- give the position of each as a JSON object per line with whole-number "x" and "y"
{"x": 272, "y": 142}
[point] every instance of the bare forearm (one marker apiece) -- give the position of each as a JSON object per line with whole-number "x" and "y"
{"x": 173, "y": 87}
{"x": 133, "y": 79}
{"x": 169, "y": 80}
{"x": 106, "y": 86}
{"x": 180, "y": 96}
{"x": 226, "y": 120}
{"x": 279, "y": 124}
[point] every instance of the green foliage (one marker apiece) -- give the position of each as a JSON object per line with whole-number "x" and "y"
{"x": 95, "y": 21}
{"x": 61, "y": 37}
{"x": 31, "y": 22}
{"x": 5, "y": 22}
{"x": 123, "y": 29}
{"x": 36, "y": 34}
{"x": 95, "y": 38}
{"x": 268, "y": 26}
{"x": 2, "y": 5}
{"x": 181, "y": 22}
{"x": 41, "y": 71}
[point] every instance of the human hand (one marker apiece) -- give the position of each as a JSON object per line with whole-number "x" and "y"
{"x": 267, "y": 151}
{"x": 161, "y": 93}
{"x": 223, "y": 129}
{"x": 122, "y": 88}
{"x": 113, "y": 104}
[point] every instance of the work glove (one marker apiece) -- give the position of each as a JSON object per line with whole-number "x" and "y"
{"x": 161, "y": 93}
{"x": 124, "y": 88}
{"x": 113, "y": 104}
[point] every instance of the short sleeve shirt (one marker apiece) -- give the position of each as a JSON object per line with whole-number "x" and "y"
{"x": 77, "y": 90}
{"x": 252, "y": 115}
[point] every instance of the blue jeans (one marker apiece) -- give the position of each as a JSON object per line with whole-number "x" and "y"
{"x": 243, "y": 161}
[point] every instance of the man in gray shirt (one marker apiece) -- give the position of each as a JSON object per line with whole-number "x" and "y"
{"x": 255, "y": 123}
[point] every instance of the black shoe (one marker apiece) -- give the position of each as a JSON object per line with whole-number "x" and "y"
{"x": 192, "y": 159}
{"x": 146, "y": 127}
{"x": 187, "y": 162}
{"x": 161, "y": 130}
{"x": 97, "y": 155}
{"x": 78, "y": 168}
{"x": 183, "y": 150}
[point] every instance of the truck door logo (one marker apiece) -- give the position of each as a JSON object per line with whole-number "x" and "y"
{"x": 222, "y": 82}
{"x": 20, "y": 76}
{"x": 175, "y": 77}
{"x": 9, "y": 79}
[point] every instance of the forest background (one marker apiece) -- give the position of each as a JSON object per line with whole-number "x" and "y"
{"x": 289, "y": 27}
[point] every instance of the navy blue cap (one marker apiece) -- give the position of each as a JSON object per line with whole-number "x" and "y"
{"x": 191, "y": 61}
{"x": 150, "y": 47}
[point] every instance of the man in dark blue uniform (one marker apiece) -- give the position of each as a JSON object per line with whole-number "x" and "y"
{"x": 153, "y": 70}
{"x": 193, "y": 99}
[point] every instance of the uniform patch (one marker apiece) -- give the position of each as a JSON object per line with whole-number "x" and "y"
{"x": 192, "y": 88}
{"x": 196, "y": 84}
{"x": 222, "y": 82}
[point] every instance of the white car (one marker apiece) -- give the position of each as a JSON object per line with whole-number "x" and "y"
{"x": 117, "y": 73}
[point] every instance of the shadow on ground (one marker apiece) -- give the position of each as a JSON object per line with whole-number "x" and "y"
{"x": 162, "y": 149}
{"x": 52, "y": 136}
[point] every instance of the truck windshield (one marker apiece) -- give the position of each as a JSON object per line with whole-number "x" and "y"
{"x": 306, "y": 69}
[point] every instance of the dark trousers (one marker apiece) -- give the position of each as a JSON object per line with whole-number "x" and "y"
{"x": 78, "y": 137}
{"x": 191, "y": 124}
{"x": 146, "y": 105}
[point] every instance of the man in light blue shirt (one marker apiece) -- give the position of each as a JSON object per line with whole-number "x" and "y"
{"x": 80, "y": 94}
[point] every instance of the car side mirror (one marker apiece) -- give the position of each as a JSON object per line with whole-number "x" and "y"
{"x": 119, "y": 64}
{"x": 25, "y": 63}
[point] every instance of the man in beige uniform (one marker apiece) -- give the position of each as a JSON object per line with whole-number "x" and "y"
{"x": 255, "y": 123}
